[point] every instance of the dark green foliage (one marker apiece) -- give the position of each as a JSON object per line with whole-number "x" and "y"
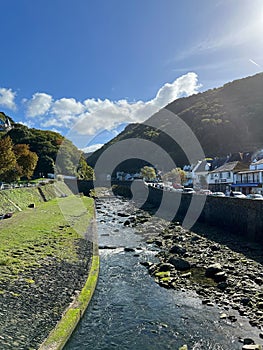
{"x": 85, "y": 172}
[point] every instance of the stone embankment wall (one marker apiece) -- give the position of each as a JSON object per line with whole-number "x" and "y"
{"x": 20, "y": 198}
{"x": 84, "y": 186}
{"x": 240, "y": 216}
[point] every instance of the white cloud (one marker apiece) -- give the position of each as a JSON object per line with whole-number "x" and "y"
{"x": 7, "y": 97}
{"x": 28, "y": 124}
{"x": 106, "y": 114}
{"x": 92, "y": 148}
{"x": 51, "y": 122}
{"x": 67, "y": 106}
{"x": 184, "y": 86}
{"x": 91, "y": 116}
{"x": 39, "y": 104}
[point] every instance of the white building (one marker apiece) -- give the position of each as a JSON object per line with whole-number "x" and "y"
{"x": 200, "y": 174}
{"x": 250, "y": 181}
{"x": 223, "y": 178}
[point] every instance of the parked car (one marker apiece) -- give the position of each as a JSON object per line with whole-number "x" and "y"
{"x": 6, "y": 186}
{"x": 218, "y": 194}
{"x": 205, "y": 192}
{"x": 178, "y": 190}
{"x": 237, "y": 194}
{"x": 188, "y": 190}
{"x": 255, "y": 196}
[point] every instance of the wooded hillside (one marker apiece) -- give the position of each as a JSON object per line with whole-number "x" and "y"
{"x": 46, "y": 144}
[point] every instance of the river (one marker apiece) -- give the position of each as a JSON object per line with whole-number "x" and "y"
{"x": 130, "y": 311}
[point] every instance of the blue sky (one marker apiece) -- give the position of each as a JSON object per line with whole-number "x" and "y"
{"x": 81, "y": 67}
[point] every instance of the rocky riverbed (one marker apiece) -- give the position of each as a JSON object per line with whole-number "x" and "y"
{"x": 221, "y": 268}
{"x": 31, "y": 304}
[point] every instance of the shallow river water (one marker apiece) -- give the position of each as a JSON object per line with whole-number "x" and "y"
{"x": 130, "y": 311}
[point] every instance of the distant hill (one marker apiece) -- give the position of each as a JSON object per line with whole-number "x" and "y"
{"x": 225, "y": 120}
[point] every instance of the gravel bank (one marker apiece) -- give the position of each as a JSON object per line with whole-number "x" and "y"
{"x": 31, "y": 305}
{"x": 220, "y": 267}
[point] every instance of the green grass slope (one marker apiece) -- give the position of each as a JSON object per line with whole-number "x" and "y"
{"x": 34, "y": 234}
{"x": 11, "y": 200}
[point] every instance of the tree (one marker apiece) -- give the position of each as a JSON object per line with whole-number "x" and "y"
{"x": 84, "y": 171}
{"x": 26, "y": 160}
{"x": 44, "y": 166}
{"x": 176, "y": 175}
{"x": 148, "y": 173}
{"x": 7, "y": 157}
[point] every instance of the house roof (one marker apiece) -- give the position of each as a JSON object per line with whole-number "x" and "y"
{"x": 201, "y": 167}
{"x": 258, "y": 162}
{"x": 249, "y": 171}
{"x": 230, "y": 166}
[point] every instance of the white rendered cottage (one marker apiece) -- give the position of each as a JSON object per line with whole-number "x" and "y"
{"x": 250, "y": 181}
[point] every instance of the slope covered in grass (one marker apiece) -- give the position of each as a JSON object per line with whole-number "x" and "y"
{"x": 35, "y": 234}
{"x": 11, "y": 200}
{"x": 45, "y": 259}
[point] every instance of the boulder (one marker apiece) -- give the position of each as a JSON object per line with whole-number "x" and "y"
{"x": 222, "y": 285}
{"x": 220, "y": 277}
{"x": 123, "y": 215}
{"x": 8, "y": 215}
{"x": 184, "y": 347}
{"x": 248, "y": 341}
{"x": 179, "y": 264}
{"x": 213, "y": 269}
{"x": 146, "y": 263}
{"x": 165, "y": 267}
{"x": 245, "y": 301}
{"x": 177, "y": 249}
{"x": 128, "y": 249}
{"x": 215, "y": 247}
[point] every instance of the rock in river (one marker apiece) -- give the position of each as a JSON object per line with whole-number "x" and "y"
{"x": 179, "y": 264}
{"x": 213, "y": 269}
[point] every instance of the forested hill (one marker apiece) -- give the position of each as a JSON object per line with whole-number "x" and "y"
{"x": 225, "y": 120}
{"x": 46, "y": 144}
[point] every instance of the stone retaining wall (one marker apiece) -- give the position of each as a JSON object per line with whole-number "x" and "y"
{"x": 241, "y": 216}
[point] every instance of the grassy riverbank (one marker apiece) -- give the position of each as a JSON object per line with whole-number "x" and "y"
{"x": 34, "y": 234}
{"x": 44, "y": 260}
{"x": 19, "y": 198}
